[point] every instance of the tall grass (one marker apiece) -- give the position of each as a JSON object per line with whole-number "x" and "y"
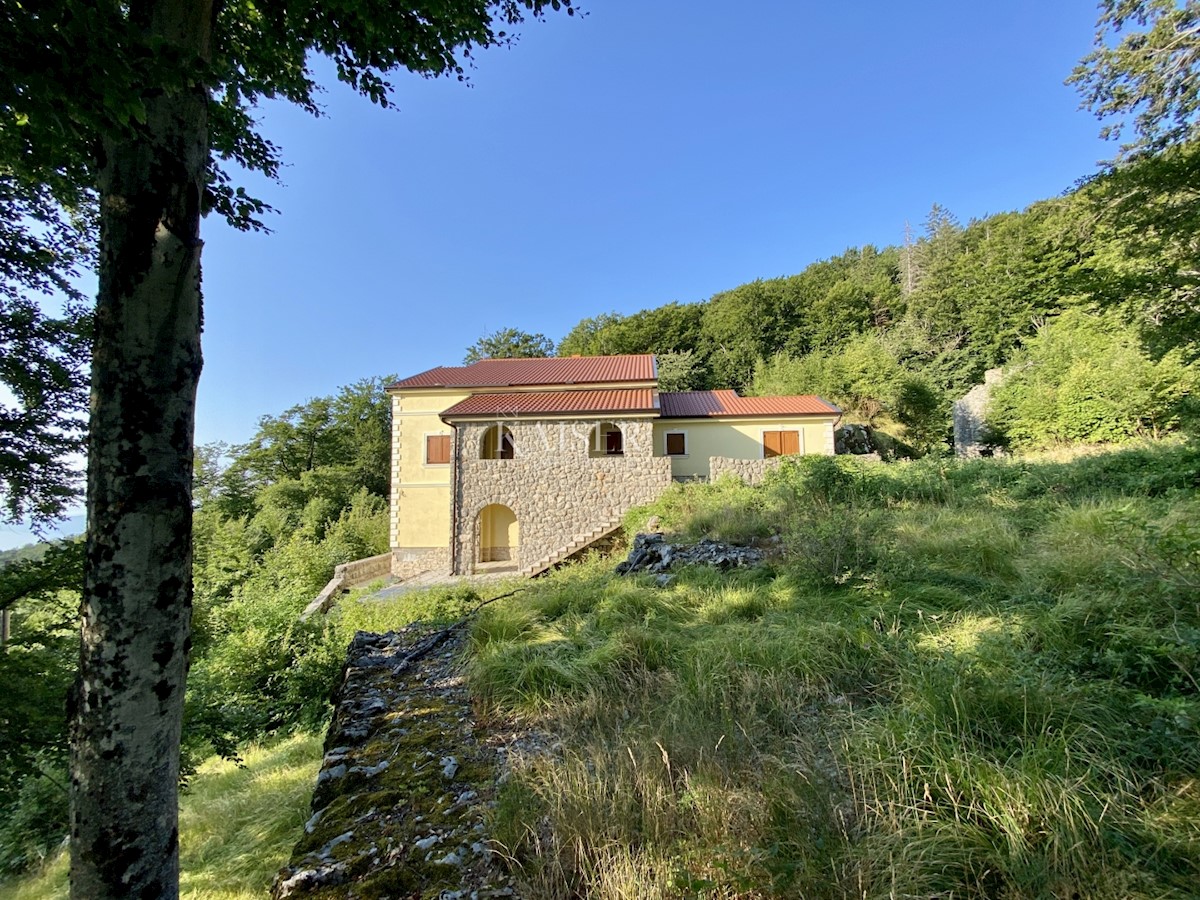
{"x": 954, "y": 680}
{"x": 237, "y": 825}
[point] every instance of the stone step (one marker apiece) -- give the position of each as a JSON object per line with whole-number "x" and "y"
{"x": 579, "y": 542}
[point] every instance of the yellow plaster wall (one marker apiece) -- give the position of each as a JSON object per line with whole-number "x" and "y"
{"x": 738, "y": 439}
{"x": 420, "y": 493}
{"x": 498, "y": 528}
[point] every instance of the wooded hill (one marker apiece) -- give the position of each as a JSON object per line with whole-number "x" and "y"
{"x": 1097, "y": 288}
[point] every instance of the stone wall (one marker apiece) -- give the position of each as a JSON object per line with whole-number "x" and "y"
{"x": 346, "y": 576}
{"x": 751, "y": 471}
{"x": 408, "y": 562}
{"x": 556, "y": 491}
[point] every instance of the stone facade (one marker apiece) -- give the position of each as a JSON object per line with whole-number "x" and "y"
{"x": 751, "y": 471}
{"x": 408, "y": 562}
{"x": 556, "y": 489}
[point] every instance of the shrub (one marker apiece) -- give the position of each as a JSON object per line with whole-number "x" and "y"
{"x": 1088, "y": 378}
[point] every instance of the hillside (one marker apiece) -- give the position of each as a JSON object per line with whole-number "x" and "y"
{"x": 1109, "y": 271}
{"x": 954, "y": 679}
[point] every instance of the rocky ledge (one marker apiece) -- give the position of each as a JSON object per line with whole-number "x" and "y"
{"x": 652, "y": 553}
{"x": 400, "y": 803}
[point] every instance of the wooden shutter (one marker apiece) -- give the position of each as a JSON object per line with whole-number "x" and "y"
{"x": 780, "y": 443}
{"x": 772, "y": 444}
{"x": 676, "y": 444}
{"x": 437, "y": 449}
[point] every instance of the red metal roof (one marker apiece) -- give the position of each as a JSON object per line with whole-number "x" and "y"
{"x": 705, "y": 404}
{"x": 525, "y": 403}
{"x": 530, "y": 372}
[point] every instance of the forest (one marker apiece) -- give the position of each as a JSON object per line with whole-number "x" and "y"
{"x": 1090, "y": 300}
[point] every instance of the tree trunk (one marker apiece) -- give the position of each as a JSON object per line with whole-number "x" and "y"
{"x": 128, "y": 700}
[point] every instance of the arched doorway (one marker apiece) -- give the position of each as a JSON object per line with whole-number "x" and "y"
{"x": 499, "y": 536}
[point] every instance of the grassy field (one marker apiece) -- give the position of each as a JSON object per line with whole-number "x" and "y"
{"x": 953, "y": 680}
{"x": 956, "y": 680}
{"x": 237, "y": 825}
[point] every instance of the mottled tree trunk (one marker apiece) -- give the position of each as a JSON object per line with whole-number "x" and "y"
{"x": 128, "y": 700}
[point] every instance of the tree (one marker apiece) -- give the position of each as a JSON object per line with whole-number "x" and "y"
{"x": 42, "y": 357}
{"x": 679, "y": 371}
{"x": 509, "y": 343}
{"x": 1152, "y": 74}
{"x": 149, "y": 102}
{"x": 1148, "y": 194}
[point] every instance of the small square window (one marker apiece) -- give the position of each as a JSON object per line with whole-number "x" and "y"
{"x": 676, "y": 443}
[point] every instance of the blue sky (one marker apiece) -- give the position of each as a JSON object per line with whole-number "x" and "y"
{"x": 654, "y": 150}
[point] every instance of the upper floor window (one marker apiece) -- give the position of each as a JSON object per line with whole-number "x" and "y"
{"x": 437, "y": 449}
{"x": 606, "y": 440}
{"x": 497, "y": 443}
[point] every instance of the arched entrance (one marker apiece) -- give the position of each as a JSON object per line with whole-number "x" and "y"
{"x": 498, "y": 534}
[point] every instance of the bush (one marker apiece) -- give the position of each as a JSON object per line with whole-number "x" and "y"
{"x": 1087, "y": 378}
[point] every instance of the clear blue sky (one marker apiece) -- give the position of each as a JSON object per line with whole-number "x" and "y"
{"x": 654, "y": 150}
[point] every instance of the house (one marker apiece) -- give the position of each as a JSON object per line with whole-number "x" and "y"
{"x": 520, "y": 463}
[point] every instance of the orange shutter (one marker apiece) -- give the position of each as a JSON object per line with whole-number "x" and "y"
{"x": 772, "y": 445}
{"x": 780, "y": 443}
{"x": 437, "y": 449}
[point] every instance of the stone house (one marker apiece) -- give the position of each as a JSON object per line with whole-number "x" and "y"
{"x": 520, "y": 463}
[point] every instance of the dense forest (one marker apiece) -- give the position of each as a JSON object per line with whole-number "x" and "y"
{"x": 1091, "y": 300}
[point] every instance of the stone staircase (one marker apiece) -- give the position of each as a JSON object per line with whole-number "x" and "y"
{"x": 579, "y": 542}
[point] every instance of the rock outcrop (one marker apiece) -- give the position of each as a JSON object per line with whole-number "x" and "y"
{"x": 856, "y": 440}
{"x": 971, "y": 438}
{"x": 652, "y": 553}
{"x": 400, "y": 801}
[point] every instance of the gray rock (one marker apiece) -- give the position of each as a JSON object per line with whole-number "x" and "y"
{"x": 449, "y": 766}
{"x": 333, "y": 772}
{"x": 651, "y": 553}
{"x": 370, "y": 771}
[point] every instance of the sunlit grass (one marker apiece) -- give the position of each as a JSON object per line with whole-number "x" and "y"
{"x": 961, "y": 680}
{"x": 237, "y": 825}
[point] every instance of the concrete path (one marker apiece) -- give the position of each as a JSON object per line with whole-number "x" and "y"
{"x": 440, "y": 579}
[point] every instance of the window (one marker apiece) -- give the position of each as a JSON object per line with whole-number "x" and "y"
{"x": 497, "y": 443}
{"x": 437, "y": 449}
{"x": 780, "y": 443}
{"x": 676, "y": 443}
{"x": 606, "y": 440}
